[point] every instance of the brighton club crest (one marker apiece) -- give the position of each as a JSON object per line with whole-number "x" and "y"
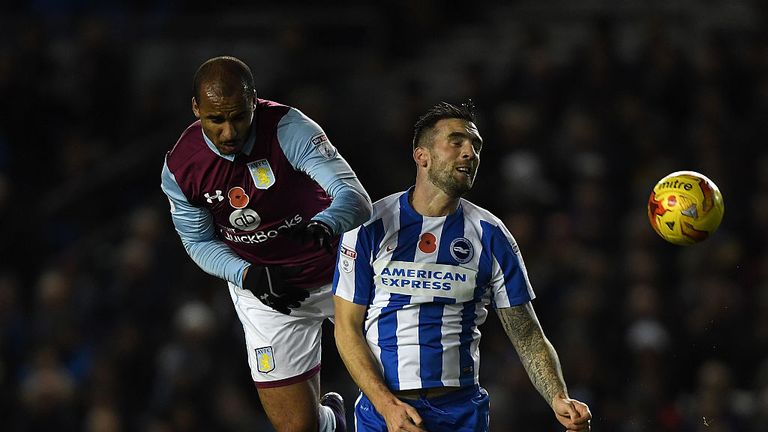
{"x": 462, "y": 250}
{"x": 262, "y": 174}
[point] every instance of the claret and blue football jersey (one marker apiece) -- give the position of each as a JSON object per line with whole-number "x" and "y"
{"x": 234, "y": 210}
{"x": 426, "y": 282}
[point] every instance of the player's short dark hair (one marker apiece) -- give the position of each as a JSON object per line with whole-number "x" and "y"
{"x": 231, "y": 73}
{"x": 441, "y": 111}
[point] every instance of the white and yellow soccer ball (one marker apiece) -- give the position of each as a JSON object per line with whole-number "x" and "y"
{"x": 685, "y": 207}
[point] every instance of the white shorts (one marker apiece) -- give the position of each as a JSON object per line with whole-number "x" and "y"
{"x": 283, "y": 349}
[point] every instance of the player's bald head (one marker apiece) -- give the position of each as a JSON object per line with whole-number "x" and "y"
{"x": 223, "y": 76}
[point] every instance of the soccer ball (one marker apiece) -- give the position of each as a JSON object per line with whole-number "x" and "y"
{"x": 685, "y": 207}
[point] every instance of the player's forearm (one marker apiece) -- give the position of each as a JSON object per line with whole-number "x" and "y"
{"x": 536, "y": 352}
{"x": 362, "y": 366}
{"x": 351, "y": 207}
{"x": 544, "y": 371}
{"x": 217, "y": 259}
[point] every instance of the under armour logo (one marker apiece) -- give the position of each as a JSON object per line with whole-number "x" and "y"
{"x": 218, "y": 196}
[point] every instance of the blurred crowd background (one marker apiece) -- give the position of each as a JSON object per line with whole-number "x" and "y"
{"x": 107, "y": 326}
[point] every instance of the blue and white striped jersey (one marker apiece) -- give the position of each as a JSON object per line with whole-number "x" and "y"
{"x": 426, "y": 282}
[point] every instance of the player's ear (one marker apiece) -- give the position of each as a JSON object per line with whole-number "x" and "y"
{"x": 420, "y": 156}
{"x": 195, "y": 108}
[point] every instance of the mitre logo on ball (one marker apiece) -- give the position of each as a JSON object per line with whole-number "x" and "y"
{"x": 685, "y": 207}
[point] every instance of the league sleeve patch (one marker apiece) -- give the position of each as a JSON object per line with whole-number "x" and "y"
{"x": 346, "y": 264}
{"x": 347, "y": 251}
{"x": 319, "y": 139}
{"x": 346, "y": 259}
{"x": 323, "y": 145}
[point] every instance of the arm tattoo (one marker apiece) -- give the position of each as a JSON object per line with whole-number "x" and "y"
{"x": 536, "y": 352}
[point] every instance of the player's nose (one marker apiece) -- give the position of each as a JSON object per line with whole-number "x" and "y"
{"x": 228, "y": 132}
{"x": 468, "y": 151}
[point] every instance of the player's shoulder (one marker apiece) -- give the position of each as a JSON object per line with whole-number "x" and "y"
{"x": 269, "y": 111}
{"x": 474, "y": 212}
{"x": 384, "y": 208}
{"x": 270, "y": 105}
{"x": 383, "y": 211}
{"x": 387, "y": 206}
{"x": 292, "y": 121}
{"x": 484, "y": 220}
{"x": 293, "y": 127}
{"x": 190, "y": 143}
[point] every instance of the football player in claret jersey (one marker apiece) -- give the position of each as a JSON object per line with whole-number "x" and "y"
{"x": 259, "y": 196}
{"x": 411, "y": 289}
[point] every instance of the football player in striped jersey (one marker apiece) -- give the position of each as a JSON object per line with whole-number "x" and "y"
{"x": 411, "y": 289}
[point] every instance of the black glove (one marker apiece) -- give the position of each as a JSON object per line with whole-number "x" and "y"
{"x": 268, "y": 285}
{"x": 317, "y": 233}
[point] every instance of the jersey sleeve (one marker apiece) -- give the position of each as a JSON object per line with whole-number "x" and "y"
{"x": 196, "y": 229}
{"x": 308, "y": 150}
{"x": 353, "y": 277}
{"x": 509, "y": 281}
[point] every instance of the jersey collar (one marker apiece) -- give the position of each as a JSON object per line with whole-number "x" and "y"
{"x": 408, "y": 208}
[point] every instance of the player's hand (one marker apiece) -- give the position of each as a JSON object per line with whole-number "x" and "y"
{"x": 268, "y": 285}
{"x": 317, "y": 233}
{"x": 401, "y": 417}
{"x": 572, "y": 414}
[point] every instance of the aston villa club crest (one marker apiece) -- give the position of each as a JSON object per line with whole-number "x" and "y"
{"x": 261, "y": 171}
{"x": 265, "y": 359}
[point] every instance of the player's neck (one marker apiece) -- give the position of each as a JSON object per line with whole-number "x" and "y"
{"x": 428, "y": 200}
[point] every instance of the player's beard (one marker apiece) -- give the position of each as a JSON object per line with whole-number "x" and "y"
{"x": 444, "y": 175}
